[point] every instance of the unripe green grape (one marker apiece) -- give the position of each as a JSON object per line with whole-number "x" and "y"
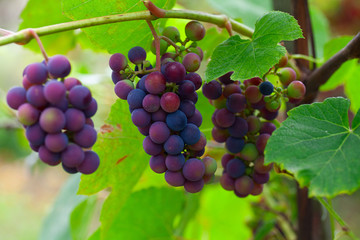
{"x": 191, "y": 62}
{"x": 249, "y": 152}
{"x": 163, "y": 47}
{"x": 286, "y": 75}
{"x": 273, "y": 105}
{"x": 219, "y": 102}
{"x": 296, "y": 90}
{"x": 194, "y": 31}
{"x": 210, "y": 165}
{"x": 172, "y": 33}
{"x": 254, "y": 124}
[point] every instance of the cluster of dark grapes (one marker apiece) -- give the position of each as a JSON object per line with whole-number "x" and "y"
{"x": 56, "y": 114}
{"x": 242, "y": 120}
{"x": 162, "y": 106}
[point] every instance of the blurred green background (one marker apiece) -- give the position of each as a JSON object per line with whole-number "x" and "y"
{"x": 38, "y": 201}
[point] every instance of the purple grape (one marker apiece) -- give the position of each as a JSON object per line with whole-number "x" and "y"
{"x": 191, "y": 62}
{"x": 175, "y": 179}
{"x": 54, "y": 91}
{"x": 224, "y": 118}
{"x": 90, "y": 164}
{"x": 71, "y": 170}
{"x": 26, "y": 84}
{"x": 212, "y": 90}
{"x": 258, "y": 188}
{"x": 200, "y": 145}
{"x": 260, "y": 178}
{"x": 174, "y": 72}
{"x": 174, "y": 145}
{"x": 141, "y": 83}
{"x": 239, "y": 129}
{"x": 34, "y": 147}
{"x": 52, "y": 120}
{"x": 59, "y": 66}
{"x": 89, "y": 122}
{"x": 210, "y": 165}
{"x": 71, "y": 82}
{"x": 73, "y": 155}
{"x": 190, "y": 134}
{"x": 234, "y": 145}
{"x": 159, "y": 132}
{"x": 235, "y": 168}
{"x": 231, "y": 89}
{"x": 192, "y": 97}
{"x": 15, "y": 97}
{"x": 259, "y": 166}
{"x": 75, "y": 119}
{"x": 236, "y": 103}
{"x": 118, "y": 62}
{"x": 27, "y": 114}
{"x": 194, "y": 154}
{"x": 194, "y": 169}
{"x": 194, "y": 31}
{"x": 49, "y": 157}
{"x": 176, "y": 121}
{"x": 135, "y": 98}
{"x": 187, "y": 107}
{"x": 36, "y": 73}
{"x": 266, "y": 114}
{"x": 86, "y": 137}
{"x": 174, "y": 162}
{"x": 35, "y": 96}
{"x": 194, "y": 186}
{"x": 80, "y": 97}
{"x": 151, "y": 103}
{"x": 140, "y": 117}
{"x": 137, "y": 55}
{"x": 227, "y": 182}
{"x": 155, "y": 83}
{"x": 220, "y": 134}
{"x": 267, "y": 127}
{"x": 157, "y": 163}
{"x": 63, "y": 104}
{"x": 159, "y": 115}
{"x": 240, "y": 195}
{"x": 116, "y": 76}
{"x": 196, "y": 118}
{"x": 225, "y": 159}
{"x": 195, "y": 79}
{"x": 244, "y": 185}
{"x": 35, "y": 135}
{"x": 186, "y": 88}
{"x": 252, "y": 94}
{"x": 145, "y": 130}
{"x": 261, "y": 142}
{"x": 150, "y": 147}
{"x": 123, "y": 88}
{"x": 91, "y": 109}
{"x": 56, "y": 142}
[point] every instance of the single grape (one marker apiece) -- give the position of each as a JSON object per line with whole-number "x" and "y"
{"x": 227, "y": 182}
{"x": 210, "y": 165}
{"x": 155, "y": 83}
{"x": 286, "y": 75}
{"x": 176, "y": 121}
{"x": 259, "y": 166}
{"x": 191, "y": 62}
{"x": 234, "y": 145}
{"x": 220, "y": 134}
{"x": 86, "y": 137}
{"x": 174, "y": 72}
{"x": 194, "y": 31}
{"x": 258, "y": 188}
{"x": 192, "y": 97}
{"x": 266, "y": 114}
{"x": 194, "y": 186}
{"x": 239, "y": 129}
{"x": 59, "y": 66}
{"x": 261, "y": 142}
{"x": 49, "y": 157}
{"x": 175, "y": 179}
{"x": 123, "y": 88}
{"x": 54, "y": 91}
{"x": 157, "y": 163}
{"x": 244, "y": 185}
{"x": 175, "y": 162}
{"x": 190, "y": 134}
{"x": 15, "y": 97}
{"x": 187, "y": 107}
{"x": 56, "y": 142}
{"x": 35, "y": 135}
{"x": 283, "y": 61}
{"x": 26, "y": 84}
{"x": 266, "y": 88}
{"x": 89, "y": 122}
{"x": 163, "y": 46}
{"x": 267, "y": 127}
{"x": 260, "y": 178}
{"x": 224, "y": 118}
{"x": 225, "y": 159}
{"x": 27, "y": 114}
{"x": 212, "y": 90}
{"x": 170, "y": 102}
{"x": 52, "y": 120}
{"x": 70, "y": 170}
{"x": 273, "y": 105}
{"x": 194, "y": 169}
{"x": 186, "y": 88}
{"x": 249, "y": 152}
{"x": 236, "y": 103}
{"x": 75, "y": 119}
{"x": 118, "y": 62}
{"x": 195, "y": 79}
{"x": 253, "y": 94}
{"x": 296, "y": 90}
{"x": 254, "y": 124}
{"x": 135, "y": 98}
{"x": 90, "y": 164}
{"x": 137, "y": 55}
{"x": 36, "y": 73}
{"x": 196, "y": 118}
{"x": 174, "y": 145}
{"x": 73, "y": 155}
{"x": 159, "y": 115}
{"x": 71, "y": 82}
{"x": 235, "y": 168}
{"x": 151, "y": 103}
{"x": 159, "y": 132}
{"x": 150, "y": 147}
{"x": 140, "y": 117}
{"x": 91, "y": 109}
{"x": 200, "y": 145}
{"x": 35, "y": 96}
{"x": 144, "y": 130}
{"x": 231, "y": 88}
{"x": 80, "y": 97}
{"x": 172, "y": 33}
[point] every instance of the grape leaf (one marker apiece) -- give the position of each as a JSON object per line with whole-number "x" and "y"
{"x": 39, "y": 13}
{"x": 254, "y": 57}
{"x": 81, "y": 217}
{"x": 147, "y": 214}
{"x": 122, "y": 161}
{"x": 316, "y": 144}
{"x": 116, "y": 37}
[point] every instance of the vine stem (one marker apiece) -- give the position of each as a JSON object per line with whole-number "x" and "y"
{"x": 218, "y": 20}
{"x": 336, "y": 216}
{"x": 305, "y": 57}
{"x": 157, "y": 45}
{"x": 41, "y": 46}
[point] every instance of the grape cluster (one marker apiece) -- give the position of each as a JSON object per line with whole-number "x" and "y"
{"x": 56, "y": 112}
{"x": 242, "y": 120}
{"x": 162, "y": 106}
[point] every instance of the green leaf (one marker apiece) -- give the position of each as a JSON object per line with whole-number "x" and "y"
{"x": 38, "y": 13}
{"x": 56, "y": 225}
{"x": 147, "y": 214}
{"x": 321, "y": 29}
{"x": 248, "y": 10}
{"x": 116, "y": 37}
{"x": 81, "y": 218}
{"x": 213, "y": 37}
{"x": 254, "y": 57}
{"x": 317, "y": 145}
{"x": 122, "y": 162}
